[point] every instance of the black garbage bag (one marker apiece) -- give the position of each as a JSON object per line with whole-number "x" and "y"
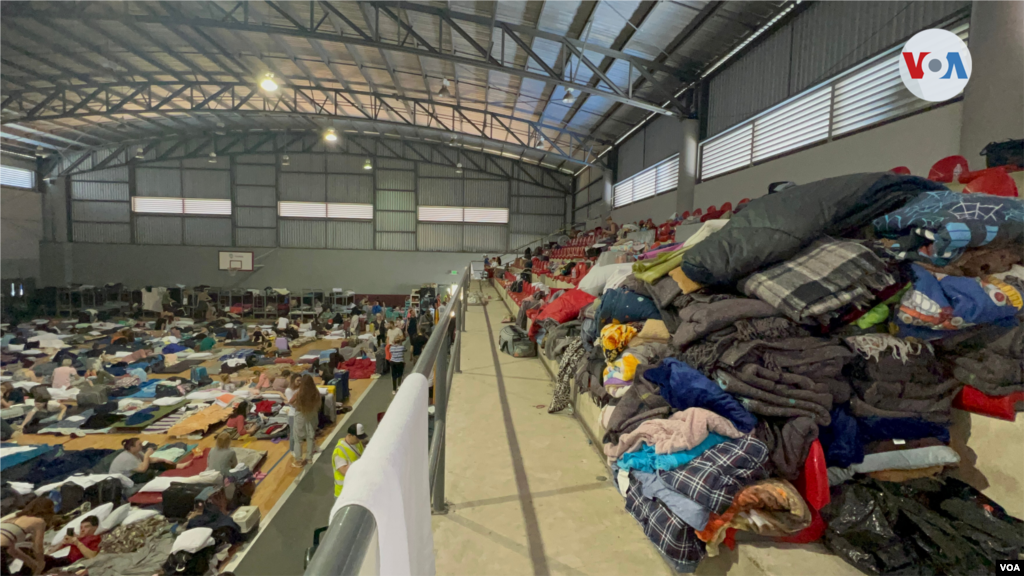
{"x": 925, "y": 526}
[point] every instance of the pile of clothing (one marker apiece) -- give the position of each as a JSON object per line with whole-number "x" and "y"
{"x": 851, "y": 333}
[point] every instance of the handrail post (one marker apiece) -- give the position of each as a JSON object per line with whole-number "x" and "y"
{"x": 440, "y": 411}
{"x": 460, "y": 322}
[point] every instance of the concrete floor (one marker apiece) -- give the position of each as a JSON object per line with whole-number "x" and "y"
{"x": 528, "y": 495}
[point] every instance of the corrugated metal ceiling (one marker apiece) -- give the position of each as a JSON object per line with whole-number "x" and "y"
{"x": 125, "y": 43}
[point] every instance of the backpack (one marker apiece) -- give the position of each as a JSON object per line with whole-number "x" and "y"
{"x": 515, "y": 342}
{"x": 91, "y": 395}
{"x": 516, "y": 286}
{"x": 189, "y": 564}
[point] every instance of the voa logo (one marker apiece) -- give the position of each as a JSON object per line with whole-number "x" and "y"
{"x": 935, "y": 65}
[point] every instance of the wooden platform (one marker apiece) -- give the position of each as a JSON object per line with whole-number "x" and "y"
{"x": 277, "y": 465}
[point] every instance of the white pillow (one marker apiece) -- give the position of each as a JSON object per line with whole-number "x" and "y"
{"x": 115, "y": 519}
{"x": 596, "y": 279}
{"x": 100, "y": 512}
{"x": 193, "y": 540}
{"x": 138, "y": 515}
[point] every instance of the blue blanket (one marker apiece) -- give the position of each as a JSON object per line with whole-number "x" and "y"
{"x": 646, "y": 460}
{"x": 938, "y": 225}
{"x": 25, "y": 456}
{"x": 146, "y": 390}
{"x": 938, "y": 307}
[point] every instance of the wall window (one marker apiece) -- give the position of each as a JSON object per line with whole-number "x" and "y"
{"x": 462, "y": 214}
{"x": 331, "y": 210}
{"x": 662, "y": 177}
{"x": 868, "y": 95}
{"x": 191, "y": 206}
{"x": 17, "y": 177}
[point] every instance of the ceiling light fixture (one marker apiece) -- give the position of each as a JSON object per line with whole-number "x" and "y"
{"x": 268, "y": 83}
{"x": 444, "y": 92}
{"x": 331, "y": 135}
{"x": 284, "y": 160}
{"x": 570, "y": 97}
{"x": 39, "y": 151}
{"x": 540, "y": 140}
{"x": 140, "y": 154}
{"x": 458, "y": 168}
{"x": 367, "y": 165}
{"x": 213, "y": 158}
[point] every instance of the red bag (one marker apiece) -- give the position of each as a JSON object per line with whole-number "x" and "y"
{"x": 567, "y": 307}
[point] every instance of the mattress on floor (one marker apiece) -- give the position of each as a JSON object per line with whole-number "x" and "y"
{"x": 251, "y": 458}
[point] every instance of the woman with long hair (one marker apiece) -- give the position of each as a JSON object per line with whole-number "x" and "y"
{"x": 27, "y": 526}
{"x": 306, "y": 403}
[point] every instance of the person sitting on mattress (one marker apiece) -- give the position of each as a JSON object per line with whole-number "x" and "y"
{"x": 136, "y": 464}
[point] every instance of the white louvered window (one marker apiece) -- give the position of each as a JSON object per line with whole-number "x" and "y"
{"x": 145, "y": 205}
{"x": 486, "y": 215}
{"x": 801, "y": 122}
{"x": 440, "y": 213}
{"x": 859, "y": 98}
{"x": 350, "y": 211}
{"x": 207, "y": 206}
{"x": 463, "y": 214}
{"x": 727, "y": 152}
{"x": 662, "y": 177}
{"x": 302, "y": 209}
{"x": 17, "y": 177}
{"x": 334, "y": 210}
{"x": 191, "y": 206}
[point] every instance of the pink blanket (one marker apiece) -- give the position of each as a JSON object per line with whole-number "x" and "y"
{"x": 680, "y": 431}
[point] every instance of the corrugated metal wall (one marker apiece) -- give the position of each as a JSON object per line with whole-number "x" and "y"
{"x": 823, "y": 41}
{"x": 255, "y": 183}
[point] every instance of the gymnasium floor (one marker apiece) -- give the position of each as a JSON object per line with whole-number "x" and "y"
{"x": 277, "y": 465}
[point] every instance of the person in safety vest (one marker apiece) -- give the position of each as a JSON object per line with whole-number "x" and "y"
{"x": 348, "y": 450}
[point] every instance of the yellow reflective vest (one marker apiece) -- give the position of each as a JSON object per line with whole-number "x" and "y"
{"x": 349, "y": 453}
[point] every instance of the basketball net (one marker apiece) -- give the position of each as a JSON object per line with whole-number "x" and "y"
{"x": 233, "y": 269}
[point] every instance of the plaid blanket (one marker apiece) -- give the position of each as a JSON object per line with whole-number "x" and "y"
{"x": 712, "y": 480}
{"x": 815, "y": 285}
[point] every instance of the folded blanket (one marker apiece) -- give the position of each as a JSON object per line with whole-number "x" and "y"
{"x": 997, "y": 370}
{"x": 771, "y": 507}
{"x": 781, "y": 397}
{"x": 912, "y": 459}
{"x": 939, "y": 306}
{"x": 700, "y": 319}
{"x": 646, "y": 460}
{"x": 789, "y": 442}
{"x": 683, "y": 387}
{"x": 938, "y": 226}
{"x": 824, "y": 278}
{"x": 680, "y": 431}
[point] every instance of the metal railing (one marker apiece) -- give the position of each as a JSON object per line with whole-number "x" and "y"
{"x": 344, "y": 550}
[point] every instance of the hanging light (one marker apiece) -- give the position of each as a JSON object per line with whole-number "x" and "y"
{"x": 454, "y": 141}
{"x": 570, "y": 96}
{"x": 140, "y": 154}
{"x": 444, "y": 92}
{"x": 284, "y": 160}
{"x": 367, "y": 165}
{"x": 39, "y": 151}
{"x": 268, "y": 83}
{"x": 458, "y": 168}
{"x": 331, "y": 135}
{"x": 540, "y": 140}
{"x": 213, "y": 158}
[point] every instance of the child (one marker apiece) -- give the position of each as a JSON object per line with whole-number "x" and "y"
{"x": 306, "y": 403}
{"x": 397, "y": 361}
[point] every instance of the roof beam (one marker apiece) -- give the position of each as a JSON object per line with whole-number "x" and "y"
{"x": 105, "y": 15}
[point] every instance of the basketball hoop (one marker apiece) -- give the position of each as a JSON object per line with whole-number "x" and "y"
{"x": 233, "y": 268}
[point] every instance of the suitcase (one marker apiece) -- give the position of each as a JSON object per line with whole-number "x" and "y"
{"x": 340, "y": 383}
{"x": 329, "y": 408}
{"x": 180, "y": 498}
{"x": 198, "y": 374}
{"x": 247, "y": 518}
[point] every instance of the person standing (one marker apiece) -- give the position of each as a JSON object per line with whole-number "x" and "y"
{"x": 348, "y": 450}
{"x": 376, "y": 308}
{"x": 397, "y": 361}
{"x": 306, "y": 403}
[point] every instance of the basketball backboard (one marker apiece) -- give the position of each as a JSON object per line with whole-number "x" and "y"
{"x": 236, "y": 261}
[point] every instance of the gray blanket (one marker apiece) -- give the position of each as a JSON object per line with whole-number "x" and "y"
{"x": 145, "y": 561}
